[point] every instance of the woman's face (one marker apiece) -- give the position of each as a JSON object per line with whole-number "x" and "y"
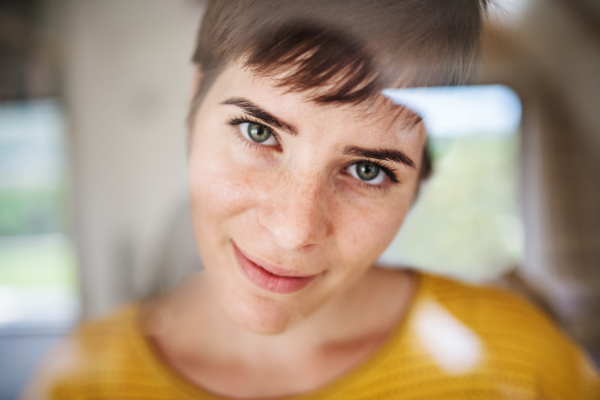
{"x": 294, "y": 201}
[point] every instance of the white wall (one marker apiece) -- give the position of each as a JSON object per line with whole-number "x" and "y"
{"x": 127, "y": 78}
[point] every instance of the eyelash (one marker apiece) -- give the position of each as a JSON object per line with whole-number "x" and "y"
{"x": 389, "y": 172}
{"x": 236, "y": 121}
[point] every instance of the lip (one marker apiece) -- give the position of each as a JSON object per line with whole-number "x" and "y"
{"x": 270, "y": 277}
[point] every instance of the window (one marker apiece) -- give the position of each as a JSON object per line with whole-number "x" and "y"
{"x": 466, "y": 222}
{"x": 37, "y": 263}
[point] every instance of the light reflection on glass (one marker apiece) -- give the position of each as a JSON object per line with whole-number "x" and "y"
{"x": 463, "y": 110}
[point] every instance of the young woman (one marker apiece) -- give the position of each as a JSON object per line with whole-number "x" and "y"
{"x": 301, "y": 173}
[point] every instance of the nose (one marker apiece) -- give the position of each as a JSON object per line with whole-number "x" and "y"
{"x": 296, "y": 213}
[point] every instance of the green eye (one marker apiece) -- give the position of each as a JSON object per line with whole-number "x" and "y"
{"x": 258, "y": 133}
{"x": 367, "y": 171}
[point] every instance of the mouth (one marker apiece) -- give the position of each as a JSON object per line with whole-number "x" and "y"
{"x": 269, "y": 277}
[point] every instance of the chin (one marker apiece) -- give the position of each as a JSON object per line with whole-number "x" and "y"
{"x": 261, "y": 315}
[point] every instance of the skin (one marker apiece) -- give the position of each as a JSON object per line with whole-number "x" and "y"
{"x": 295, "y": 202}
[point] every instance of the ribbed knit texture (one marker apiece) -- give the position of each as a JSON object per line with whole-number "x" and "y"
{"x": 458, "y": 342}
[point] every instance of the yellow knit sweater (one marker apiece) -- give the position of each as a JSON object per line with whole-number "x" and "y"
{"x": 458, "y": 342}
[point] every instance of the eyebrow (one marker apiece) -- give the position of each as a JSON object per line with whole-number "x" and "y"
{"x": 380, "y": 154}
{"x": 259, "y": 113}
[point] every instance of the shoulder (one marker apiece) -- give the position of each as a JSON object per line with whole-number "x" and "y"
{"x": 113, "y": 331}
{"x": 506, "y": 335}
{"x": 94, "y": 355}
{"x": 484, "y": 306}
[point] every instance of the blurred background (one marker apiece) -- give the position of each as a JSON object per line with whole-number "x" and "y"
{"x": 93, "y": 196}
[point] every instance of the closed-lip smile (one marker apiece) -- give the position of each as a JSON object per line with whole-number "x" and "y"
{"x": 270, "y": 277}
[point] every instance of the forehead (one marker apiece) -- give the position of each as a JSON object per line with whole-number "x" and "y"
{"x": 376, "y": 118}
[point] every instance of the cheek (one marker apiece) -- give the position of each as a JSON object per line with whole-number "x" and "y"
{"x": 225, "y": 190}
{"x": 218, "y": 192}
{"x": 219, "y": 187}
{"x": 368, "y": 233}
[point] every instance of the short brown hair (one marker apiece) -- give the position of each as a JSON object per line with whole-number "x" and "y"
{"x": 341, "y": 51}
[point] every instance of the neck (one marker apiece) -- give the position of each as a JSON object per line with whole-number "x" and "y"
{"x": 344, "y": 329}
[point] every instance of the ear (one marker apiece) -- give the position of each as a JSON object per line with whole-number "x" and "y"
{"x": 195, "y": 83}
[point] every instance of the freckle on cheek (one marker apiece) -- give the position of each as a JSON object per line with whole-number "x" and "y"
{"x": 227, "y": 195}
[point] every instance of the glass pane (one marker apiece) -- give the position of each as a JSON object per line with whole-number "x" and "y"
{"x": 37, "y": 263}
{"x": 466, "y": 222}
